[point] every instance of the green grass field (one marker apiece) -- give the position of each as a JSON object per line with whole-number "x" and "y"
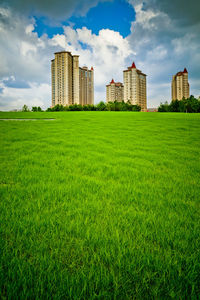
{"x": 100, "y": 205}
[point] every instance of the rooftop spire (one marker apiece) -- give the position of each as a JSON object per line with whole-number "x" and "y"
{"x": 133, "y": 65}
{"x": 112, "y": 81}
{"x": 185, "y": 71}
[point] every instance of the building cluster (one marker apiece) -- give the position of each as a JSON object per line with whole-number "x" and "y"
{"x": 133, "y": 90}
{"x": 72, "y": 84}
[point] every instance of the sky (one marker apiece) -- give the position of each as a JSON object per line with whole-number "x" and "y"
{"x": 161, "y": 37}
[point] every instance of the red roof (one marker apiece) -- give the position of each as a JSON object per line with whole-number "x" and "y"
{"x": 133, "y": 66}
{"x": 112, "y": 81}
{"x": 92, "y": 69}
{"x": 185, "y": 71}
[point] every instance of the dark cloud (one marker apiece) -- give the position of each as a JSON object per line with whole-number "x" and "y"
{"x": 184, "y": 11}
{"x": 165, "y": 37}
{"x": 59, "y": 10}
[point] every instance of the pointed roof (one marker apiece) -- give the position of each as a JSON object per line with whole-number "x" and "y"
{"x": 92, "y": 69}
{"x": 133, "y": 65}
{"x": 112, "y": 81}
{"x": 185, "y": 71}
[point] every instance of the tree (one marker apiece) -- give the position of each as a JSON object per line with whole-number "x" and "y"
{"x": 136, "y": 108}
{"x": 174, "y": 106}
{"x": 101, "y": 106}
{"x": 75, "y": 107}
{"x": 164, "y": 107}
{"x": 39, "y": 108}
{"x": 25, "y": 108}
{"x": 58, "y": 107}
{"x": 36, "y": 108}
{"x": 193, "y": 105}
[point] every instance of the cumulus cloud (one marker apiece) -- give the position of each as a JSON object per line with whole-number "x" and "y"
{"x": 165, "y": 43}
{"x": 25, "y": 63}
{"x": 14, "y": 98}
{"x": 28, "y": 57}
{"x": 107, "y": 52}
{"x": 25, "y": 56}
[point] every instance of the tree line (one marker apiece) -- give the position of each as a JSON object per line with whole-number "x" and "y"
{"x": 102, "y": 106}
{"x": 190, "y": 105}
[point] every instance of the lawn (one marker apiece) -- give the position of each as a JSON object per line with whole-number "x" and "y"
{"x": 100, "y": 205}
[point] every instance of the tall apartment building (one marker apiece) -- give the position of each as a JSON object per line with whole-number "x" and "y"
{"x": 67, "y": 80}
{"x": 180, "y": 85}
{"x": 114, "y": 92}
{"x": 86, "y": 84}
{"x": 135, "y": 87}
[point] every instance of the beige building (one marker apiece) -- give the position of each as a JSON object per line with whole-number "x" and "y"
{"x": 86, "y": 86}
{"x": 114, "y": 92}
{"x": 135, "y": 87}
{"x": 65, "y": 78}
{"x": 180, "y": 85}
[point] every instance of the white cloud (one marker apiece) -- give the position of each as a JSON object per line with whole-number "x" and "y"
{"x": 144, "y": 18}
{"x": 15, "y": 98}
{"x": 29, "y": 28}
{"x": 29, "y": 57}
{"x": 106, "y": 52}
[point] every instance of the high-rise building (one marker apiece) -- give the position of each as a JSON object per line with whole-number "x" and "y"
{"x": 86, "y": 86}
{"x": 66, "y": 76}
{"x": 180, "y": 85}
{"x": 135, "y": 87}
{"x": 114, "y": 92}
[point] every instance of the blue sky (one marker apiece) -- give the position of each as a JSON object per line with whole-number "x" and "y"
{"x": 161, "y": 37}
{"x": 115, "y": 15}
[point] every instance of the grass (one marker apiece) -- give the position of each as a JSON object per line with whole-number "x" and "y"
{"x": 100, "y": 205}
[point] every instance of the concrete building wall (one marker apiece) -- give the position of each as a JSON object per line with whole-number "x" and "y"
{"x": 114, "y": 92}
{"x": 135, "y": 87}
{"x": 75, "y": 97}
{"x": 92, "y": 86}
{"x": 86, "y": 86}
{"x": 53, "y": 82}
{"x": 180, "y": 86}
{"x": 62, "y": 78}
{"x": 67, "y": 78}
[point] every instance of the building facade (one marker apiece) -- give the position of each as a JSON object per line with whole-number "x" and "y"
{"x": 135, "y": 87}
{"x": 86, "y": 86}
{"x": 180, "y": 85}
{"x": 65, "y": 78}
{"x": 114, "y": 92}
